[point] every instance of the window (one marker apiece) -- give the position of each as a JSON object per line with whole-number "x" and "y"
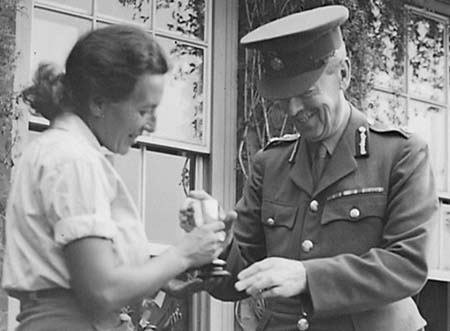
{"x": 184, "y": 152}
{"x": 158, "y": 161}
{"x": 414, "y": 92}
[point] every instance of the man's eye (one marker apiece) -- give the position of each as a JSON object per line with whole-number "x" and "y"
{"x": 308, "y": 94}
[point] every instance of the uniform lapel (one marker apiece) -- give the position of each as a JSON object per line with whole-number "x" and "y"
{"x": 300, "y": 172}
{"x": 342, "y": 162}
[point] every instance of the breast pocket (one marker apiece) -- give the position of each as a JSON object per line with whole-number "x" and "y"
{"x": 354, "y": 224}
{"x": 278, "y": 220}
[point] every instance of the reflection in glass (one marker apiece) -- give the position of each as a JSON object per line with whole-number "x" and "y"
{"x": 181, "y": 112}
{"x": 390, "y": 72}
{"x": 426, "y": 58}
{"x": 84, "y": 6}
{"x": 387, "y": 108}
{"x": 128, "y": 167}
{"x": 430, "y": 122}
{"x": 390, "y": 69}
{"x": 164, "y": 195}
{"x": 185, "y": 17}
{"x": 49, "y": 46}
{"x": 129, "y": 10}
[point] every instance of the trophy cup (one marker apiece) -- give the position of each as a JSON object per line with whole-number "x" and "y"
{"x": 200, "y": 212}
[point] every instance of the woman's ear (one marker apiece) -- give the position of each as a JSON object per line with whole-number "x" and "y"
{"x": 345, "y": 74}
{"x": 96, "y": 107}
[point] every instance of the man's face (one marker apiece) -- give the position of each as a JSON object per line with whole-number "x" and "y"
{"x": 316, "y": 113}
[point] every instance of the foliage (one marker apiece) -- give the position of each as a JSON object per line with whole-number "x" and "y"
{"x": 8, "y": 10}
{"x": 185, "y": 18}
{"x": 8, "y": 99}
{"x": 375, "y": 36}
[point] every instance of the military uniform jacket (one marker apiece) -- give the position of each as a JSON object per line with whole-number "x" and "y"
{"x": 362, "y": 233}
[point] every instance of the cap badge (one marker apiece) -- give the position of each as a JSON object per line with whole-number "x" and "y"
{"x": 276, "y": 63}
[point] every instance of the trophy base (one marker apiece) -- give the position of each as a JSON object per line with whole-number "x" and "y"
{"x": 214, "y": 269}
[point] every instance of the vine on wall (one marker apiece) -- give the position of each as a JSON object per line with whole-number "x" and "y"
{"x": 8, "y": 9}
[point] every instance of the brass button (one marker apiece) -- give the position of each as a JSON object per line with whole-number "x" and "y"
{"x": 270, "y": 221}
{"x": 354, "y": 213}
{"x": 314, "y": 206}
{"x": 303, "y": 324}
{"x": 307, "y": 245}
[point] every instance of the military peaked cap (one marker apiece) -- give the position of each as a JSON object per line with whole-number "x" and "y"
{"x": 295, "y": 49}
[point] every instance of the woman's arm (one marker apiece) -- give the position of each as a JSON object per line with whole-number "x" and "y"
{"x": 103, "y": 285}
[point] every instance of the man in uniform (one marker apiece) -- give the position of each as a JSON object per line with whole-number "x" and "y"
{"x": 334, "y": 224}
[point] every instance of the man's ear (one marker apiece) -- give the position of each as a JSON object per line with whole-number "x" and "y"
{"x": 345, "y": 74}
{"x": 96, "y": 107}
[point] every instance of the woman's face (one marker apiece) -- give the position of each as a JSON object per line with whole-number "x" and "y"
{"x": 125, "y": 120}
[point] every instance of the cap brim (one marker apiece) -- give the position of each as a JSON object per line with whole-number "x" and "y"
{"x": 287, "y": 87}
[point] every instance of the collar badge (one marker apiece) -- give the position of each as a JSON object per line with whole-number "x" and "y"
{"x": 362, "y": 142}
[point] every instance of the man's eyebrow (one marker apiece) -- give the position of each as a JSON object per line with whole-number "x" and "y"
{"x": 311, "y": 89}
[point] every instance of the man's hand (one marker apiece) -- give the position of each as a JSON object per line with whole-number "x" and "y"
{"x": 273, "y": 277}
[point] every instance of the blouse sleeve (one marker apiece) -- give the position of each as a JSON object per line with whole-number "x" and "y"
{"x": 77, "y": 199}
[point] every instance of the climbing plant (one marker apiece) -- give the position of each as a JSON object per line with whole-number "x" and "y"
{"x": 8, "y": 9}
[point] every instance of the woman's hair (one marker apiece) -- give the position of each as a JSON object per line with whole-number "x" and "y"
{"x": 104, "y": 64}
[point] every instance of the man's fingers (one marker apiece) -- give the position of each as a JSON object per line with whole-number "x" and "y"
{"x": 260, "y": 281}
{"x": 254, "y": 269}
{"x": 230, "y": 216}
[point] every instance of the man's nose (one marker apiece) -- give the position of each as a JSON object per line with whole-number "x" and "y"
{"x": 295, "y": 106}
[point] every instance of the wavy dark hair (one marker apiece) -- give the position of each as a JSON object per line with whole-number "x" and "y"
{"x": 105, "y": 63}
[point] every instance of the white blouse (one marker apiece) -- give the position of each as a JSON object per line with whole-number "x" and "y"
{"x": 64, "y": 188}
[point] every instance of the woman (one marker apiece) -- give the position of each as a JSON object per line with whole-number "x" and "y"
{"x": 76, "y": 250}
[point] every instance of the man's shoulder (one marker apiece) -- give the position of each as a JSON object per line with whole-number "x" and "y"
{"x": 395, "y": 138}
{"x": 382, "y": 128}
{"x": 283, "y": 141}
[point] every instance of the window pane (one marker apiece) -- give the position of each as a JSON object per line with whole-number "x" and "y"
{"x": 129, "y": 10}
{"x": 426, "y": 58}
{"x": 84, "y": 6}
{"x": 387, "y": 108}
{"x": 181, "y": 112}
{"x": 128, "y": 166}
{"x": 390, "y": 73}
{"x": 430, "y": 123}
{"x": 185, "y": 17}
{"x": 164, "y": 197}
{"x": 49, "y": 46}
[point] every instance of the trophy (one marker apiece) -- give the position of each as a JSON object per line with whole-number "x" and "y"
{"x": 196, "y": 213}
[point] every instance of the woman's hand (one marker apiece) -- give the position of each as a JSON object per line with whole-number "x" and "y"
{"x": 202, "y": 245}
{"x": 189, "y": 210}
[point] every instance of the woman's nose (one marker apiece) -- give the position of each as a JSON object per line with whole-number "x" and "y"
{"x": 149, "y": 123}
